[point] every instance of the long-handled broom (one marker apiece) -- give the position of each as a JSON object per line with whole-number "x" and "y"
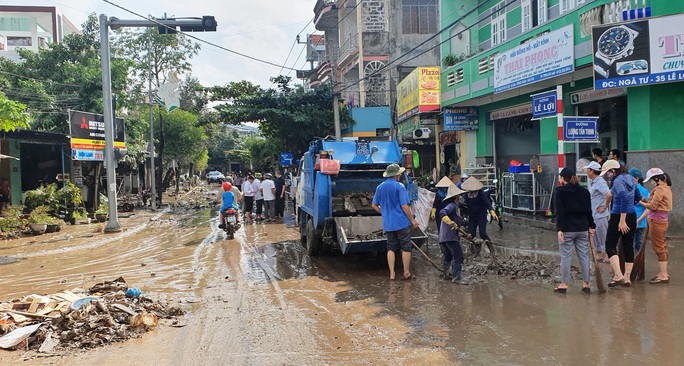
{"x": 639, "y": 268}
{"x": 599, "y": 280}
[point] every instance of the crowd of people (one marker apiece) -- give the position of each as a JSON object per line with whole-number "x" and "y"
{"x": 616, "y": 209}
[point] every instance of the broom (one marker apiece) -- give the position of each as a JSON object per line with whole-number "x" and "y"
{"x": 638, "y": 270}
{"x": 599, "y": 279}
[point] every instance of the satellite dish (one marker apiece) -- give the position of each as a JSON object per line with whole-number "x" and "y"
{"x": 581, "y": 166}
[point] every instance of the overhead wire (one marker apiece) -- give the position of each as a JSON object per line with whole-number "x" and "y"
{"x": 294, "y": 43}
{"x": 195, "y": 37}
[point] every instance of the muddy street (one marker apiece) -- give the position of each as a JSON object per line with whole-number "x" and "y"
{"x": 261, "y": 300}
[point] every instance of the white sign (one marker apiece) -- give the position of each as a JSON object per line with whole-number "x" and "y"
{"x": 541, "y": 58}
{"x": 519, "y": 110}
{"x": 593, "y": 95}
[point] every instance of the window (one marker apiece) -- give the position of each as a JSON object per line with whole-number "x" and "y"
{"x": 499, "y": 23}
{"x": 534, "y": 13}
{"x": 542, "y": 11}
{"x": 569, "y": 5}
{"x": 419, "y": 16}
{"x": 19, "y": 41}
{"x": 526, "y": 10}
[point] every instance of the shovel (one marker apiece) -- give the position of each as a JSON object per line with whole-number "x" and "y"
{"x": 599, "y": 278}
{"x": 426, "y": 256}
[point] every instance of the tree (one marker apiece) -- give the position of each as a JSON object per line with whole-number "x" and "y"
{"x": 291, "y": 118}
{"x": 12, "y": 114}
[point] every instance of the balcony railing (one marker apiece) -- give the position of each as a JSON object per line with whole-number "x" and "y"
{"x": 350, "y": 45}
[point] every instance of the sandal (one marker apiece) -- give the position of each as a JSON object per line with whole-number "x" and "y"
{"x": 560, "y": 290}
{"x": 659, "y": 281}
{"x": 627, "y": 284}
{"x": 615, "y": 283}
{"x": 409, "y": 277}
{"x": 586, "y": 290}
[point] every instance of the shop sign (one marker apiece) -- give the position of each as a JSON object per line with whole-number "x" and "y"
{"x": 544, "y": 105}
{"x": 418, "y": 92}
{"x": 638, "y": 53}
{"x": 461, "y": 119}
{"x": 539, "y": 59}
{"x": 593, "y": 95}
{"x": 448, "y": 138}
{"x": 520, "y": 110}
{"x": 406, "y": 127}
{"x": 88, "y": 135}
{"x": 580, "y": 129}
{"x": 78, "y": 174}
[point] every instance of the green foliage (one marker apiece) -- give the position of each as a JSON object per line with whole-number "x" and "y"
{"x": 184, "y": 139}
{"x": 38, "y": 197}
{"x": 11, "y": 223}
{"x": 451, "y": 60}
{"x": 263, "y": 154}
{"x": 69, "y": 195}
{"x": 12, "y": 114}
{"x": 41, "y": 215}
{"x": 290, "y": 118}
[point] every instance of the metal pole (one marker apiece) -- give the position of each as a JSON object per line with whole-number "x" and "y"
{"x": 153, "y": 186}
{"x": 559, "y": 122}
{"x": 113, "y": 222}
{"x": 336, "y": 111}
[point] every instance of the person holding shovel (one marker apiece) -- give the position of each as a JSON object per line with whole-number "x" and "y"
{"x": 574, "y": 223}
{"x": 478, "y": 205}
{"x": 449, "y": 240}
{"x": 437, "y": 205}
{"x": 658, "y": 206}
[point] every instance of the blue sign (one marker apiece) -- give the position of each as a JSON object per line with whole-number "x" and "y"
{"x": 461, "y": 119}
{"x": 286, "y": 159}
{"x": 544, "y": 105}
{"x": 88, "y": 155}
{"x": 580, "y": 129}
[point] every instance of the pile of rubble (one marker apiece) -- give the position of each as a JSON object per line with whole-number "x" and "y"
{"x": 79, "y": 319}
{"x": 516, "y": 267}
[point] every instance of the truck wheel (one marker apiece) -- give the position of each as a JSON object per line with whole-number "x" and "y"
{"x": 302, "y": 229}
{"x": 313, "y": 240}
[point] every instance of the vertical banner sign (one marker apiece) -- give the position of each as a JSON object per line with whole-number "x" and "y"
{"x": 544, "y": 105}
{"x": 580, "y": 129}
{"x": 639, "y": 53}
{"x": 88, "y": 135}
{"x": 461, "y": 119}
{"x": 541, "y": 58}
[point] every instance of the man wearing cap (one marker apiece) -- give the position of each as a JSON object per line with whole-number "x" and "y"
{"x": 598, "y": 189}
{"x": 478, "y": 204}
{"x": 442, "y": 187}
{"x": 392, "y": 202}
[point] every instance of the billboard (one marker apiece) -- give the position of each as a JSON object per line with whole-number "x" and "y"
{"x": 88, "y": 136}
{"x": 638, "y": 53}
{"x": 418, "y": 92}
{"x": 541, "y": 58}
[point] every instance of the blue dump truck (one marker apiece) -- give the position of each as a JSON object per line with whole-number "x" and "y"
{"x": 338, "y": 181}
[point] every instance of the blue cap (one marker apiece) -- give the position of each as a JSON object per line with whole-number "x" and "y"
{"x": 636, "y": 173}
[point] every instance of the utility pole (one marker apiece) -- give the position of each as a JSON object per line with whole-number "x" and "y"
{"x": 167, "y": 26}
{"x": 153, "y": 181}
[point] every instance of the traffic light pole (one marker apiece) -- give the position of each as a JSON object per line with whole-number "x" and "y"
{"x": 113, "y": 221}
{"x": 207, "y": 23}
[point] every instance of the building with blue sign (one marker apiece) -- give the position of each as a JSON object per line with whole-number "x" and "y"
{"x": 626, "y": 74}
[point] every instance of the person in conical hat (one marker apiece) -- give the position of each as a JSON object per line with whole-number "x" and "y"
{"x": 478, "y": 203}
{"x": 442, "y": 187}
{"x": 449, "y": 241}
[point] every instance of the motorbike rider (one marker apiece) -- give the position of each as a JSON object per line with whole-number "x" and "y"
{"x": 227, "y": 200}
{"x": 437, "y": 205}
{"x": 478, "y": 204}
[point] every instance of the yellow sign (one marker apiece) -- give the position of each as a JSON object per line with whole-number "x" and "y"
{"x": 418, "y": 92}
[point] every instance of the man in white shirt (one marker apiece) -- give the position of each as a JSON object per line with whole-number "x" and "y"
{"x": 268, "y": 190}
{"x": 248, "y": 191}
{"x": 258, "y": 196}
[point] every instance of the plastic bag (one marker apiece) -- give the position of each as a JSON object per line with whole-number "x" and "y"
{"x": 422, "y": 206}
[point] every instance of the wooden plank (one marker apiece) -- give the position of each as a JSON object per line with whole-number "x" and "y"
{"x": 124, "y": 308}
{"x": 31, "y": 315}
{"x": 34, "y": 306}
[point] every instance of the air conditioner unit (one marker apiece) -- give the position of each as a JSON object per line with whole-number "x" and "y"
{"x": 421, "y": 133}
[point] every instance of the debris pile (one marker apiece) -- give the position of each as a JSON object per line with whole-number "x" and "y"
{"x": 79, "y": 319}
{"x": 516, "y": 267}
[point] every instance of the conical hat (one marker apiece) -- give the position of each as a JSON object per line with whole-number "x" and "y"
{"x": 453, "y": 191}
{"x": 471, "y": 184}
{"x": 444, "y": 183}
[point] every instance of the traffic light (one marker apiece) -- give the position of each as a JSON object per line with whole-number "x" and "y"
{"x": 208, "y": 24}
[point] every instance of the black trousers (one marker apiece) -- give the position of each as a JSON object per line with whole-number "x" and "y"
{"x": 614, "y": 235}
{"x": 280, "y": 207}
{"x": 260, "y": 206}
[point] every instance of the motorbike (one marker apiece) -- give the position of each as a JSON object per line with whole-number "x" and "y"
{"x": 493, "y": 197}
{"x": 230, "y": 224}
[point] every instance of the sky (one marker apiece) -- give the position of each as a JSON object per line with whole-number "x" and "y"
{"x": 261, "y": 29}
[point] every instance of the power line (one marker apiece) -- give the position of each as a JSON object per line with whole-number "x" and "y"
{"x": 292, "y": 48}
{"x": 34, "y": 79}
{"x": 194, "y": 37}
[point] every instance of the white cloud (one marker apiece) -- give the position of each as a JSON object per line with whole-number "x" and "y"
{"x": 261, "y": 29}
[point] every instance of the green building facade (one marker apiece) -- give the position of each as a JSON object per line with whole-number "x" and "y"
{"x": 644, "y": 122}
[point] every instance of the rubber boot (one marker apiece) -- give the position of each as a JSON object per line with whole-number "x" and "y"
{"x": 445, "y": 275}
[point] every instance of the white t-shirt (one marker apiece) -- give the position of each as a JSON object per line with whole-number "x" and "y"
{"x": 247, "y": 189}
{"x": 256, "y": 187}
{"x": 266, "y": 186}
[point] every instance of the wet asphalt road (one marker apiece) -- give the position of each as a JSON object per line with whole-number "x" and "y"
{"x": 260, "y": 300}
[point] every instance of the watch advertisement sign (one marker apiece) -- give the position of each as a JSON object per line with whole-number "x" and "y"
{"x": 544, "y": 105}
{"x": 580, "y": 129}
{"x": 461, "y": 119}
{"x": 638, "y": 53}
{"x": 538, "y": 59}
{"x": 88, "y": 135}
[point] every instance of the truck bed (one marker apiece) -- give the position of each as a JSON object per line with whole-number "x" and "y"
{"x": 365, "y": 234}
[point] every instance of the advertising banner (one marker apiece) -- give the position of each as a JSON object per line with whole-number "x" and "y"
{"x": 544, "y": 105}
{"x": 593, "y": 95}
{"x": 88, "y": 136}
{"x": 418, "y": 92}
{"x": 461, "y": 119}
{"x": 638, "y": 53}
{"x": 541, "y": 58}
{"x": 580, "y": 129}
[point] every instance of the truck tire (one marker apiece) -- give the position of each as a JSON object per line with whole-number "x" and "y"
{"x": 302, "y": 228}
{"x": 313, "y": 239}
